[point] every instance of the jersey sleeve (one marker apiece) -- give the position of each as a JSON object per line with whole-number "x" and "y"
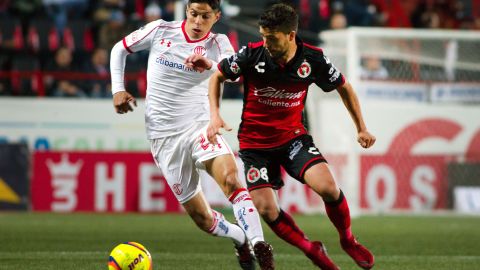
{"x": 233, "y": 66}
{"x": 141, "y": 38}
{"x": 328, "y": 77}
{"x": 226, "y": 49}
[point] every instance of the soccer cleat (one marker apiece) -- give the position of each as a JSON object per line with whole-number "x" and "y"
{"x": 245, "y": 256}
{"x": 264, "y": 253}
{"x": 319, "y": 257}
{"x": 359, "y": 253}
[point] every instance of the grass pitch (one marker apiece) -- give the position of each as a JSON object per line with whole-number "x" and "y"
{"x": 44, "y": 241}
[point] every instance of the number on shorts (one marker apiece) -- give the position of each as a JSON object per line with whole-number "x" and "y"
{"x": 205, "y": 144}
{"x": 264, "y": 173}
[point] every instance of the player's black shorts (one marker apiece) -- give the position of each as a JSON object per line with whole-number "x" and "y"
{"x": 262, "y": 166}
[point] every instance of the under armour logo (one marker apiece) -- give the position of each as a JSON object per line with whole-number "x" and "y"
{"x": 257, "y": 67}
{"x": 162, "y": 41}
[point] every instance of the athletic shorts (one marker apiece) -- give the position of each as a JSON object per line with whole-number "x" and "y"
{"x": 262, "y": 166}
{"x": 181, "y": 156}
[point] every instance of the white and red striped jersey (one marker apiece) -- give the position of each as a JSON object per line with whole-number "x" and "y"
{"x": 176, "y": 95}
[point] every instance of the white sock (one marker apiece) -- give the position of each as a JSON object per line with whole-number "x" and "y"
{"x": 247, "y": 215}
{"x": 221, "y": 227}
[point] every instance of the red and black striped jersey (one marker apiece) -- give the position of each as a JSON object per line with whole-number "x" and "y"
{"x": 274, "y": 96}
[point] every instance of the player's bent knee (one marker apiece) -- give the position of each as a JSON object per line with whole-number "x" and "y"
{"x": 328, "y": 189}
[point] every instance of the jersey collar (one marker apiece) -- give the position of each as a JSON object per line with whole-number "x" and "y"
{"x": 188, "y": 38}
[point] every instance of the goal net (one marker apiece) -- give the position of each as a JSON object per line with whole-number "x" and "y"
{"x": 420, "y": 65}
{"x": 419, "y": 92}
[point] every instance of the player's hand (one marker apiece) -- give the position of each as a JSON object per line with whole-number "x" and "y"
{"x": 124, "y": 102}
{"x": 216, "y": 123}
{"x": 198, "y": 63}
{"x": 365, "y": 139}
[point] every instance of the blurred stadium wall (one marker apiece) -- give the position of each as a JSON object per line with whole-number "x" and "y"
{"x": 420, "y": 95}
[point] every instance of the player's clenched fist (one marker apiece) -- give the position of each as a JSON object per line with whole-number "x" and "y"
{"x": 198, "y": 63}
{"x": 123, "y": 102}
{"x": 366, "y": 139}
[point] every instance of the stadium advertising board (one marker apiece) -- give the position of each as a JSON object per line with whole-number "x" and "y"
{"x": 455, "y": 92}
{"x": 103, "y": 182}
{"x": 84, "y": 124}
{"x": 407, "y": 167}
{"x": 71, "y": 124}
{"x": 392, "y": 91}
{"x": 123, "y": 182}
{"x": 14, "y": 173}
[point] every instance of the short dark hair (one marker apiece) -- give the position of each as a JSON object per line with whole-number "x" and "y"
{"x": 279, "y": 17}
{"x": 214, "y": 4}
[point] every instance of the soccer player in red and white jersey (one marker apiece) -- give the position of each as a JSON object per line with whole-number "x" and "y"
{"x": 183, "y": 55}
{"x": 277, "y": 73}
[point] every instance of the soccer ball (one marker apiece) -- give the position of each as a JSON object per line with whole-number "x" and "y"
{"x": 130, "y": 256}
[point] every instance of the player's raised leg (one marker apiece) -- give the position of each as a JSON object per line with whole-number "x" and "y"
{"x": 283, "y": 225}
{"x": 320, "y": 179}
{"x": 224, "y": 170}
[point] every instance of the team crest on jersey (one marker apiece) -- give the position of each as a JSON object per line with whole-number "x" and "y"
{"x": 253, "y": 175}
{"x": 234, "y": 67}
{"x": 304, "y": 70}
{"x": 200, "y": 50}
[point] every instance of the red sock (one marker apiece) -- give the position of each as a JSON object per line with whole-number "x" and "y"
{"x": 284, "y": 226}
{"x": 339, "y": 215}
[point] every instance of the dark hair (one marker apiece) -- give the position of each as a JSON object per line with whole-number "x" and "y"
{"x": 279, "y": 17}
{"x": 214, "y": 4}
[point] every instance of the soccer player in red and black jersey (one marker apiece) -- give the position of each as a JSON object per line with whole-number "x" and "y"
{"x": 277, "y": 73}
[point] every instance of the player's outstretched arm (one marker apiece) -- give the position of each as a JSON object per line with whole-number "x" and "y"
{"x": 216, "y": 121}
{"x": 350, "y": 100}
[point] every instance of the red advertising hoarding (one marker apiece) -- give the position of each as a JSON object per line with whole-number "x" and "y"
{"x": 102, "y": 182}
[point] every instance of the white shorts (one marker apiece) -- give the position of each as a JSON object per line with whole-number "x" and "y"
{"x": 182, "y": 155}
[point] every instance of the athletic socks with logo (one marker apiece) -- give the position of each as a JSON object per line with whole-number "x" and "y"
{"x": 221, "y": 227}
{"x": 247, "y": 215}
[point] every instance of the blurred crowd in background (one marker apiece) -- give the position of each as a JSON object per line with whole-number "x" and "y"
{"x": 446, "y": 14}
{"x": 60, "y": 48}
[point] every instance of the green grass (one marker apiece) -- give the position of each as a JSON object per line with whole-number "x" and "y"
{"x": 83, "y": 241}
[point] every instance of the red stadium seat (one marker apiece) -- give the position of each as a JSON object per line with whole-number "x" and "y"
{"x": 43, "y": 36}
{"x": 25, "y": 76}
{"x": 11, "y": 33}
{"x": 78, "y": 35}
